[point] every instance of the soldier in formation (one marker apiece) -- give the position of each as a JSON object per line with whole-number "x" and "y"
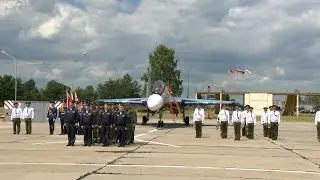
{"x": 224, "y": 119}
{"x": 62, "y": 115}
{"x": 237, "y": 121}
{"x": 28, "y": 115}
{"x": 86, "y": 121}
{"x": 72, "y": 120}
{"x": 274, "y": 121}
{"x": 250, "y": 123}
{"x": 52, "y": 116}
{"x": 264, "y": 121}
{"x": 16, "y": 116}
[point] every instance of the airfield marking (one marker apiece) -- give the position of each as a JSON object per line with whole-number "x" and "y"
{"x": 215, "y": 168}
{"x": 152, "y": 131}
{"x": 58, "y": 164}
{"x": 152, "y": 142}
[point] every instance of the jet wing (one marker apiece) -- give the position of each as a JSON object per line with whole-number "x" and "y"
{"x": 197, "y": 101}
{"x": 125, "y": 100}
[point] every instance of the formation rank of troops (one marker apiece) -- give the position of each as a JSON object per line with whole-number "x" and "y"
{"x": 105, "y": 125}
{"x": 244, "y": 122}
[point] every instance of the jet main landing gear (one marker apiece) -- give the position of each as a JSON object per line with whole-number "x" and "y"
{"x": 160, "y": 123}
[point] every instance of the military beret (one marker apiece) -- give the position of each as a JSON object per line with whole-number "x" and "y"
{"x": 246, "y": 106}
{"x": 265, "y": 108}
{"x": 28, "y": 102}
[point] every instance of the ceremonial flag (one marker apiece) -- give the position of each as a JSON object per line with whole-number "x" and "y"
{"x": 69, "y": 100}
{"x": 76, "y": 96}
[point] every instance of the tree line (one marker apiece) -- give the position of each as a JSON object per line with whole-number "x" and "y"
{"x": 162, "y": 63}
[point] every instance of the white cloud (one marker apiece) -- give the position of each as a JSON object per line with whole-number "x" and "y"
{"x": 275, "y": 39}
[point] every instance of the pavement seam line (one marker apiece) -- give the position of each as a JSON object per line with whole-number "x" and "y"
{"x": 114, "y": 161}
{"x": 290, "y": 150}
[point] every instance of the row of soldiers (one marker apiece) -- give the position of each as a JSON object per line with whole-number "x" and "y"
{"x": 245, "y": 121}
{"x": 106, "y": 125}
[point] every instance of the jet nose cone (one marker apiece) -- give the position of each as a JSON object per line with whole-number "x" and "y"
{"x": 155, "y": 102}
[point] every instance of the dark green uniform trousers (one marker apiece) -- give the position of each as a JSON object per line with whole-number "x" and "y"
{"x": 244, "y": 130}
{"x": 198, "y": 128}
{"x": 224, "y": 129}
{"x": 265, "y": 129}
{"x": 318, "y": 131}
{"x": 274, "y": 130}
{"x": 250, "y": 133}
{"x": 16, "y": 125}
{"x": 28, "y": 125}
{"x": 237, "y": 130}
{"x": 96, "y": 138}
{"x": 269, "y": 131}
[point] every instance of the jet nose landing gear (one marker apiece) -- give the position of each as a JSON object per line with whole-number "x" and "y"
{"x": 186, "y": 121}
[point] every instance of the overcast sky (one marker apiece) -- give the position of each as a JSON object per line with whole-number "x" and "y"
{"x": 277, "y": 40}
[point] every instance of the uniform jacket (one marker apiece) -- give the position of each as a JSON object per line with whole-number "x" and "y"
{"x": 52, "y": 113}
{"x": 107, "y": 117}
{"x": 86, "y": 118}
{"x": 121, "y": 119}
{"x": 236, "y": 116}
{"x": 224, "y": 115}
{"x": 72, "y": 116}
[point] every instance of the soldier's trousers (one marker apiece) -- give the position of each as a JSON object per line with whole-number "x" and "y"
{"x": 250, "y": 134}
{"x": 71, "y": 129}
{"x": 237, "y": 130}
{"x": 269, "y": 131}
{"x": 62, "y": 121}
{"x": 16, "y": 125}
{"x": 274, "y": 130}
{"x": 105, "y": 134}
{"x": 318, "y": 131}
{"x": 265, "y": 130}
{"x": 244, "y": 129}
{"x": 28, "y": 125}
{"x": 96, "y": 135}
{"x": 132, "y": 137}
{"x": 224, "y": 129}
{"x": 121, "y": 135}
{"x": 51, "y": 126}
{"x": 128, "y": 134}
{"x": 198, "y": 127}
{"x": 87, "y": 135}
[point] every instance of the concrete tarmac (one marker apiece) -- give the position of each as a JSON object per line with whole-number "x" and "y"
{"x": 171, "y": 152}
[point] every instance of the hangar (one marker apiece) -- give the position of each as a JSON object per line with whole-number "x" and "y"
{"x": 258, "y": 100}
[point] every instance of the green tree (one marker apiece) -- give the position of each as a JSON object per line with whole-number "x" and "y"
{"x": 55, "y": 91}
{"x": 163, "y": 66}
{"x": 30, "y": 91}
{"x": 7, "y": 84}
{"x": 88, "y": 93}
{"x": 124, "y": 87}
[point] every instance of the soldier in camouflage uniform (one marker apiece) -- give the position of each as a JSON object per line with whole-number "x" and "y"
{"x": 113, "y": 132}
{"x": 128, "y": 126}
{"x": 132, "y": 127}
{"x": 96, "y": 124}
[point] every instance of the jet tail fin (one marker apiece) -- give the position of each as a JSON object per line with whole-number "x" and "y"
{"x": 148, "y": 91}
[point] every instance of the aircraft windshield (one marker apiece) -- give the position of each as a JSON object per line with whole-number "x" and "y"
{"x": 159, "y": 87}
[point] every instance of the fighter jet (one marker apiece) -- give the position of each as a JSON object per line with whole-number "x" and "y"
{"x": 159, "y": 98}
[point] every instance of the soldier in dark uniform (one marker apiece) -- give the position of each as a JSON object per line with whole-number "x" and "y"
{"x": 133, "y": 124}
{"x": 128, "y": 126}
{"x": 107, "y": 119}
{"x": 86, "y": 122}
{"x": 71, "y": 120}
{"x": 82, "y": 108}
{"x": 52, "y": 116}
{"x": 62, "y": 115}
{"x": 121, "y": 123}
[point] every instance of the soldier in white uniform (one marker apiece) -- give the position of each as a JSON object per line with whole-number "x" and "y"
{"x": 274, "y": 121}
{"x": 28, "y": 115}
{"x": 269, "y": 125}
{"x": 317, "y": 122}
{"x": 224, "y": 119}
{"x": 198, "y": 118}
{"x": 16, "y": 116}
{"x": 264, "y": 121}
{"x": 237, "y": 121}
{"x": 243, "y": 120}
{"x": 251, "y": 122}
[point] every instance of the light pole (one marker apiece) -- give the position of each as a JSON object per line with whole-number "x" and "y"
{"x": 188, "y": 81}
{"x": 15, "y": 73}
{"x": 76, "y": 60}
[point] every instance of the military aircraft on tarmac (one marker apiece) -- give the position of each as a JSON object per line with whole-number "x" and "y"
{"x": 160, "y": 97}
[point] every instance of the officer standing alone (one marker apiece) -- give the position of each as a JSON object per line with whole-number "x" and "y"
{"x": 236, "y": 121}
{"x": 264, "y": 121}
{"x": 28, "y": 115}
{"x": 198, "y": 119}
{"x": 224, "y": 119}
{"x": 52, "y": 116}
{"x": 86, "y": 122}
{"x": 16, "y": 116}
{"x": 317, "y": 122}
{"x": 71, "y": 120}
{"x": 121, "y": 123}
